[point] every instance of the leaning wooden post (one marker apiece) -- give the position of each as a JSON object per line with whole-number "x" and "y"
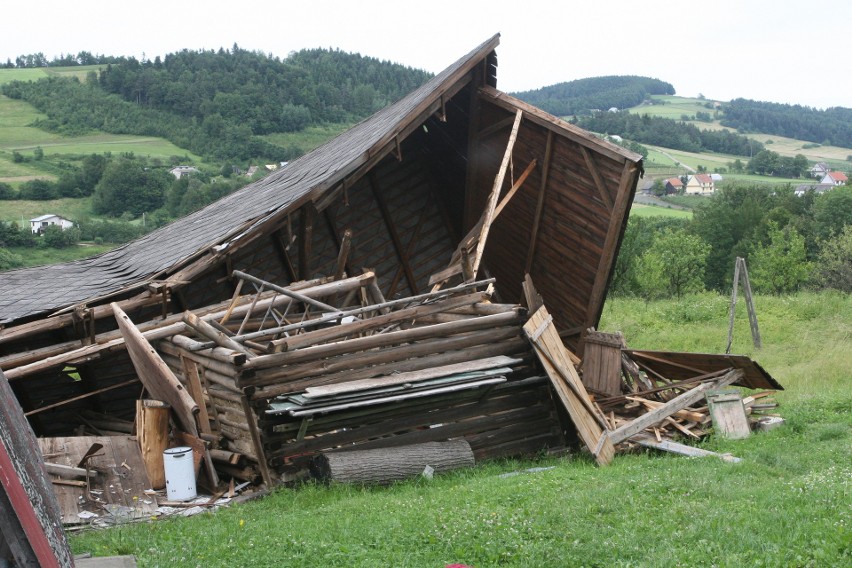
{"x": 741, "y": 274}
{"x": 752, "y": 314}
{"x": 733, "y": 306}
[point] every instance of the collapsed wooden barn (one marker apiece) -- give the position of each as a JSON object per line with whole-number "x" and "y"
{"x": 376, "y": 214}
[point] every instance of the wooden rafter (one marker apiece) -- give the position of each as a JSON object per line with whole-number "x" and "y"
{"x": 539, "y": 207}
{"x": 308, "y": 215}
{"x": 410, "y": 249}
{"x": 596, "y": 175}
{"x": 610, "y": 247}
{"x": 401, "y": 252}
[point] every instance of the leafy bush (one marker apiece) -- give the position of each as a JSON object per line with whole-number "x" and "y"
{"x": 39, "y": 190}
{"x": 834, "y": 264}
{"x": 116, "y": 232}
{"x": 781, "y": 266}
{"x": 7, "y": 192}
{"x": 9, "y": 260}
{"x": 55, "y": 237}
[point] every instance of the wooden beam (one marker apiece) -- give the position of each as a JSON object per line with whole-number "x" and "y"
{"x": 283, "y": 255}
{"x": 82, "y": 396}
{"x": 596, "y": 175}
{"x": 488, "y": 216}
{"x": 400, "y": 251}
{"x": 539, "y": 208}
{"x": 617, "y": 224}
{"x": 563, "y": 376}
{"x": 474, "y": 158}
{"x": 514, "y": 189}
{"x": 496, "y": 127}
{"x": 409, "y": 250}
{"x": 219, "y": 338}
{"x": 155, "y": 374}
{"x": 307, "y": 217}
{"x": 257, "y": 441}
{"x": 558, "y": 126}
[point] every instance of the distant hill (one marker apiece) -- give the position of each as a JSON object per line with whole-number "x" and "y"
{"x": 219, "y": 104}
{"x": 832, "y": 126}
{"x": 584, "y": 95}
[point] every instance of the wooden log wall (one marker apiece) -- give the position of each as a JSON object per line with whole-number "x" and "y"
{"x": 516, "y": 417}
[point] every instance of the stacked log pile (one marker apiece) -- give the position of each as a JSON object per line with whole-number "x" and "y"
{"x": 374, "y": 373}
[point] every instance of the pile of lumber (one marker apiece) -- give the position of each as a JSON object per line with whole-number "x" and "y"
{"x": 287, "y": 373}
{"x": 647, "y": 396}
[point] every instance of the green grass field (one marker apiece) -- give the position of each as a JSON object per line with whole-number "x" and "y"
{"x": 16, "y": 134}
{"x": 45, "y": 256}
{"x": 73, "y": 209}
{"x": 786, "y": 504}
{"x": 676, "y": 107}
{"x": 642, "y": 210}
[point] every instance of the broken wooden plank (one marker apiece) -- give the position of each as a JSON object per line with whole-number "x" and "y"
{"x": 411, "y": 376}
{"x": 681, "y": 449}
{"x": 728, "y": 414}
{"x": 30, "y": 530}
{"x": 563, "y": 376}
{"x": 680, "y": 402}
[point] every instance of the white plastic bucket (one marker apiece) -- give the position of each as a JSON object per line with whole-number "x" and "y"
{"x": 180, "y": 473}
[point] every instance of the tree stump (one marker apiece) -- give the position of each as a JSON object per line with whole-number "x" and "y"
{"x": 385, "y": 465}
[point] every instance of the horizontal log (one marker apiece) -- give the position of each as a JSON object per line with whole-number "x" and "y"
{"x": 384, "y": 465}
{"x": 509, "y": 346}
{"x": 152, "y": 330}
{"x": 224, "y": 456}
{"x": 391, "y": 354}
{"x": 168, "y": 348}
{"x": 223, "y": 354}
{"x": 352, "y": 346}
{"x": 204, "y": 329}
{"x": 459, "y": 414}
{"x": 345, "y": 330}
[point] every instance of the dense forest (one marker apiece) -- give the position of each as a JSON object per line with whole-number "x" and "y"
{"x": 584, "y": 95}
{"x": 831, "y": 126}
{"x": 219, "y": 104}
{"x": 35, "y": 60}
{"x": 670, "y": 133}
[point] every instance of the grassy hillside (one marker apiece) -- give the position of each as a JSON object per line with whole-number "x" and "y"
{"x": 674, "y": 107}
{"x": 786, "y": 504}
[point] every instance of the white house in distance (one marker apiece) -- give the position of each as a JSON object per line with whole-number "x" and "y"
{"x": 39, "y": 224}
{"x": 179, "y": 171}
{"x": 700, "y": 184}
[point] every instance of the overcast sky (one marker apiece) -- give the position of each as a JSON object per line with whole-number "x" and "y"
{"x": 769, "y": 50}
